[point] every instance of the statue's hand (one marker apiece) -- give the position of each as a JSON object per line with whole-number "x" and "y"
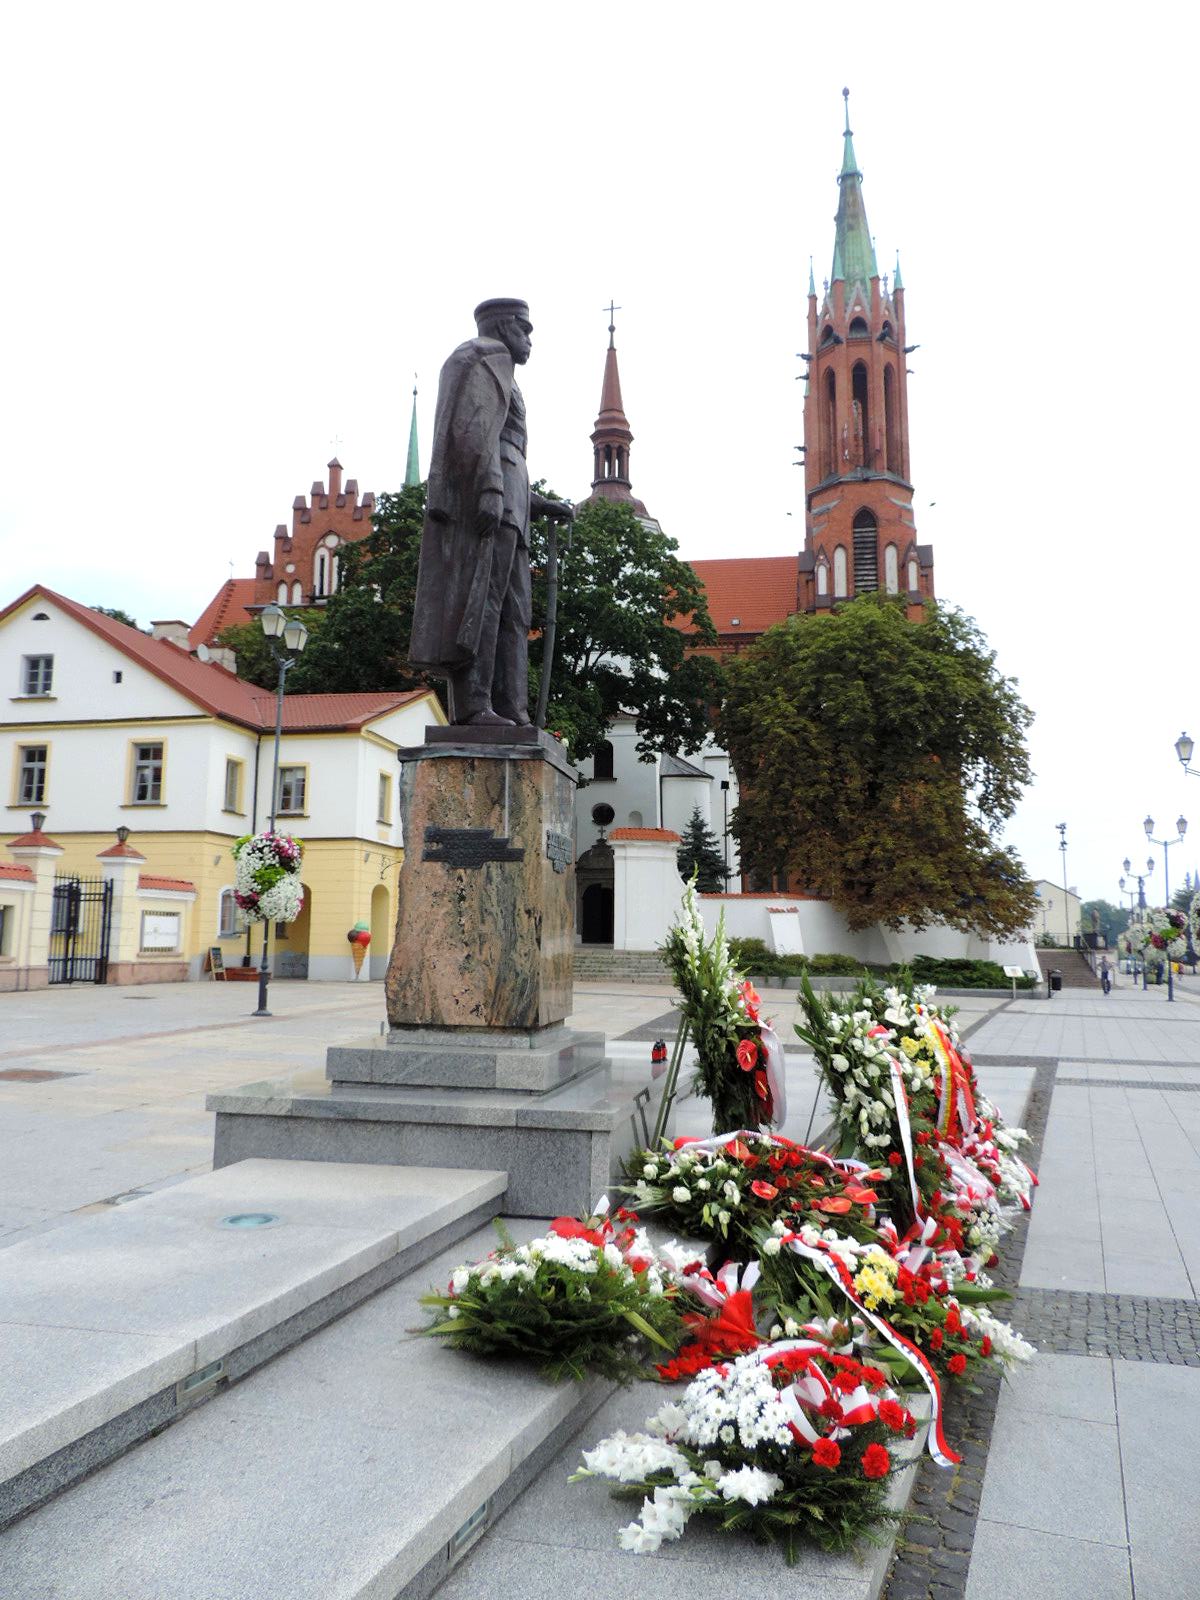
{"x": 487, "y": 518}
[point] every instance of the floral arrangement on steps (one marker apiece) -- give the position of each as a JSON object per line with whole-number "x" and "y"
{"x": 729, "y": 1186}
{"x": 739, "y": 1060}
{"x": 267, "y": 884}
{"x": 589, "y": 1297}
{"x": 789, "y": 1443}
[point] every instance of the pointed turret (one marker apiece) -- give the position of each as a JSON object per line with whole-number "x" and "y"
{"x": 897, "y": 280}
{"x": 853, "y": 250}
{"x": 812, "y": 283}
{"x": 612, "y": 435}
{"x": 412, "y": 473}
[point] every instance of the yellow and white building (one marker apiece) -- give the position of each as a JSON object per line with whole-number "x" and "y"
{"x": 104, "y": 727}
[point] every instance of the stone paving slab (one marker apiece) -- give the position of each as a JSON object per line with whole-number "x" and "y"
{"x": 1022, "y": 1564}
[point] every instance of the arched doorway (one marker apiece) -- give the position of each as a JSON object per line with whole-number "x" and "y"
{"x": 291, "y": 942}
{"x": 596, "y": 924}
{"x": 381, "y": 931}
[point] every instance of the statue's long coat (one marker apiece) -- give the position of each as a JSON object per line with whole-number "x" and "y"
{"x": 476, "y": 397}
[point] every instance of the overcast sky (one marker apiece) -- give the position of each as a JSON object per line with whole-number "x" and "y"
{"x": 234, "y": 232}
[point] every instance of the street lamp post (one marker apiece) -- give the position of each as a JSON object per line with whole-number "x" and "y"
{"x": 1183, "y": 749}
{"x": 1181, "y": 826}
{"x": 1141, "y": 906}
{"x": 276, "y": 625}
{"x": 1062, "y": 845}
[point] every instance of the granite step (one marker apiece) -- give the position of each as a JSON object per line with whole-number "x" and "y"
{"x": 360, "y": 1465}
{"x": 116, "y": 1325}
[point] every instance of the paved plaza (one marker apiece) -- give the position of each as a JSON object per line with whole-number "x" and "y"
{"x": 1076, "y": 1481}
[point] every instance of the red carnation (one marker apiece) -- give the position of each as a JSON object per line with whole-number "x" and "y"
{"x": 572, "y": 1228}
{"x": 828, "y": 1454}
{"x": 764, "y": 1191}
{"x": 893, "y": 1415}
{"x": 953, "y": 1320}
{"x": 830, "y": 1408}
{"x": 957, "y": 1364}
{"x": 847, "y": 1382}
{"x": 986, "y": 1346}
{"x": 895, "y": 1159}
{"x": 747, "y": 1055}
{"x": 935, "y": 1339}
{"x": 873, "y": 1378}
{"x": 876, "y": 1463}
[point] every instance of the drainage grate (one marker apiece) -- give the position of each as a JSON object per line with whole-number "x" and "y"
{"x": 33, "y": 1075}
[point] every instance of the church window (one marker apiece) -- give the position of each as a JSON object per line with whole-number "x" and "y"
{"x": 822, "y": 578}
{"x": 891, "y": 419}
{"x": 887, "y": 331}
{"x": 859, "y": 329}
{"x": 602, "y": 761}
{"x": 297, "y": 592}
{"x": 839, "y": 573}
{"x": 321, "y": 575}
{"x": 826, "y": 335}
{"x": 829, "y": 441}
{"x": 281, "y": 594}
{"x": 860, "y": 439}
{"x": 891, "y": 570}
{"x": 914, "y": 580}
{"x": 866, "y": 552}
{"x": 635, "y": 819}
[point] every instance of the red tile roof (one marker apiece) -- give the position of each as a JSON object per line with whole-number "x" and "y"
{"x": 218, "y": 690}
{"x": 756, "y": 590}
{"x": 660, "y": 835}
{"x": 120, "y": 852}
{"x": 147, "y": 880}
{"x": 21, "y": 871}
{"x": 34, "y": 841}
{"x": 226, "y": 609}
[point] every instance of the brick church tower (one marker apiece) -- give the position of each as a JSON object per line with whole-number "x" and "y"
{"x": 860, "y": 531}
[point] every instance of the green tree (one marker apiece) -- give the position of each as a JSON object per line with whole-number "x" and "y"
{"x": 117, "y": 615}
{"x": 877, "y": 761}
{"x": 1113, "y": 919}
{"x": 700, "y": 852}
{"x": 249, "y": 644}
{"x": 1182, "y": 899}
{"x": 624, "y": 596}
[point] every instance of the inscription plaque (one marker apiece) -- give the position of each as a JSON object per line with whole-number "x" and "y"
{"x": 560, "y": 849}
{"x": 469, "y": 847}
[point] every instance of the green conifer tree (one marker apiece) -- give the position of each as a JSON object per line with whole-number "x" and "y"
{"x": 700, "y": 852}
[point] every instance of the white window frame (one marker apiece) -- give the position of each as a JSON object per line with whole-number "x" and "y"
{"x": 143, "y": 773}
{"x": 27, "y": 768}
{"x": 230, "y": 923}
{"x": 286, "y": 776}
{"x": 37, "y": 674}
{"x": 233, "y": 769}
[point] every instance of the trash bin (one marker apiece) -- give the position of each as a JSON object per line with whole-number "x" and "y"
{"x": 1054, "y": 980}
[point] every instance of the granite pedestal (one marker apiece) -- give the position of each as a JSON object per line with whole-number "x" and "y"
{"x": 476, "y": 1068}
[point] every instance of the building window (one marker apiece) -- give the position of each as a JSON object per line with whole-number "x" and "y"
{"x": 822, "y": 578}
{"x": 839, "y": 573}
{"x": 233, "y": 784}
{"x": 147, "y": 774}
{"x": 859, "y": 329}
{"x": 297, "y": 593}
{"x": 602, "y": 761}
{"x": 891, "y": 570}
{"x": 31, "y": 778}
{"x": 281, "y": 594}
{"x": 292, "y": 785}
{"x": 229, "y": 923}
{"x": 866, "y": 552}
{"x": 38, "y": 674}
{"x": 891, "y": 420}
{"x": 829, "y": 433}
{"x": 6, "y": 924}
{"x": 861, "y": 452}
{"x": 384, "y": 813}
{"x": 914, "y": 580}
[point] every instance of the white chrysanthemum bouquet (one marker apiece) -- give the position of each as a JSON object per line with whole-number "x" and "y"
{"x": 267, "y": 884}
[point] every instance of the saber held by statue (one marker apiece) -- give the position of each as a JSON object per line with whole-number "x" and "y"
{"x": 551, "y": 628}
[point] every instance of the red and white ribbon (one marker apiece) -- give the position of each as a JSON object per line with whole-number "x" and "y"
{"x": 938, "y": 1448}
{"x": 776, "y": 1072}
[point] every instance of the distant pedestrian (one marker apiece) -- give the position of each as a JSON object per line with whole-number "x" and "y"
{"x": 1105, "y": 974}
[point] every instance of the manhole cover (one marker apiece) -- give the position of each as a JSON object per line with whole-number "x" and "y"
{"x": 250, "y": 1219}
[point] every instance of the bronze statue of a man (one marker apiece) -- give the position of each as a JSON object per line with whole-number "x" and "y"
{"x": 473, "y": 607}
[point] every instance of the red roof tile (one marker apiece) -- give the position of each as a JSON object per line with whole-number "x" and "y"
{"x": 22, "y": 872}
{"x": 120, "y": 852}
{"x": 218, "y": 690}
{"x": 758, "y": 591}
{"x": 147, "y": 880}
{"x": 660, "y": 835}
{"x": 226, "y": 609}
{"x": 34, "y": 841}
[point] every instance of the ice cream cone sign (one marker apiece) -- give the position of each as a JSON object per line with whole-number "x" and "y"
{"x": 359, "y": 937}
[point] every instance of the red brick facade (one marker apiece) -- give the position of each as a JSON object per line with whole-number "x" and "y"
{"x": 302, "y": 567}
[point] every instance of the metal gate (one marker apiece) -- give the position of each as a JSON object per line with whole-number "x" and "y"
{"x": 80, "y": 927}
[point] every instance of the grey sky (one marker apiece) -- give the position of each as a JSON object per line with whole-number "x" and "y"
{"x": 234, "y": 232}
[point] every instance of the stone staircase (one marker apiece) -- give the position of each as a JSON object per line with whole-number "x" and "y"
{"x": 599, "y": 964}
{"x": 1076, "y": 973}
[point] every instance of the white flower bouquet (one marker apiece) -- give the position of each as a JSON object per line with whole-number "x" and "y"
{"x": 267, "y": 884}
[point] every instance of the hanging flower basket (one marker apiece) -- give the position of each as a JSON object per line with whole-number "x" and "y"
{"x": 267, "y": 884}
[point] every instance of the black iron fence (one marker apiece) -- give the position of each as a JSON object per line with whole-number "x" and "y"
{"x": 80, "y": 929}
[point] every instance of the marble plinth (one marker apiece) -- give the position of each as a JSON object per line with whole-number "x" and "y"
{"x": 532, "y": 1061}
{"x": 486, "y": 911}
{"x": 561, "y": 1150}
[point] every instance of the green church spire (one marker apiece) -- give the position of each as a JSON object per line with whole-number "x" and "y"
{"x": 853, "y": 250}
{"x": 897, "y": 280}
{"x": 812, "y": 284}
{"x": 412, "y": 475}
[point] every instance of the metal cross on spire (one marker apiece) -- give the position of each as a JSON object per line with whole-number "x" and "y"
{"x": 612, "y": 326}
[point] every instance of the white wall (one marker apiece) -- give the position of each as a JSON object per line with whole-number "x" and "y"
{"x": 682, "y": 796}
{"x": 646, "y": 884}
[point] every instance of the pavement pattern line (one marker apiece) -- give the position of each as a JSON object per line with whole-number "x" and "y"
{"x": 1128, "y": 1083}
{"x": 1128, "y": 1327}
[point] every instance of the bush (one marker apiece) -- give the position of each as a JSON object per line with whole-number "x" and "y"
{"x": 752, "y": 956}
{"x": 956, "y": 973}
